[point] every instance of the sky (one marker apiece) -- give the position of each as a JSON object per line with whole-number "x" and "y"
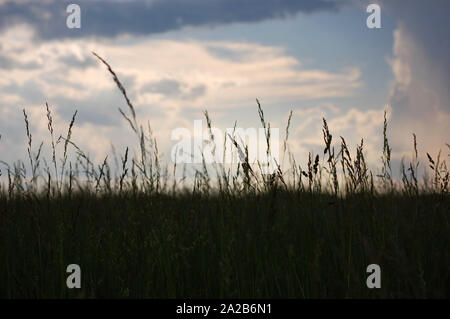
{"x": 177, "y": 58}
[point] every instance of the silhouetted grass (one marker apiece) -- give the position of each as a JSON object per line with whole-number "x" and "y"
{"x": 135, "y": 232}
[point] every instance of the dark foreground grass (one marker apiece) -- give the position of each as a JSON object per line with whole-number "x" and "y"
{"x": 278, "y": 244}
{"x": 137, "y": 231}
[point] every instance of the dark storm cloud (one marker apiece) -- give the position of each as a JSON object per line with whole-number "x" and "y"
{"x": 110, "y": 18}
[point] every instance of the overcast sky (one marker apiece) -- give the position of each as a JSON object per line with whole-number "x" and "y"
{"x": 177, "y": 58}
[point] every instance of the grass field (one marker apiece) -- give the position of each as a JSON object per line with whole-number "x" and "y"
{"x": 136, "y": 232}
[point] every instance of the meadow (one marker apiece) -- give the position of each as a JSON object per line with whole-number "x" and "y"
{"x": 137, "y": 231}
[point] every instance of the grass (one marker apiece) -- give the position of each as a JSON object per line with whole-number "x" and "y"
{"x": 138, "y": 232}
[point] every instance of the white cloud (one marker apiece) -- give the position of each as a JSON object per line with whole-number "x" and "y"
{"x": 418, "y": 105}
{"x": 420, "y": 95}
{"x": 353, "y": 125}
{"x": 210, "y": 75}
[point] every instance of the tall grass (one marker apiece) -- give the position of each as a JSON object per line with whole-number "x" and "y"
{"x": 137, "y": 231}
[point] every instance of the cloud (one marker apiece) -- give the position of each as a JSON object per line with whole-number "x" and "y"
{"x": 108, "y": 18}
{"x": 420, "y": 96}
{"x": 353, "y": 125}
{"x": 73, "y": 61}
{"x": 174, "y": 89}
{"x": 169, "y": 82}
{"x": 8, "y": 63}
